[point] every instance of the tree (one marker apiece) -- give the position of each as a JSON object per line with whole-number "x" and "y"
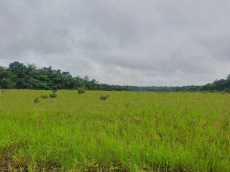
{"x": 18, "y": 69}
{"x": 42, "y": 86}
{"x": 219, "y": 84}
{"x": 86, "y": 78}
{"x": 207, "y": 87}
{"x": 6, "y": 74}
{"x": 7, "y": 84}
{"x": 228, "y": 77}
{"x": 66, "y": 74}
{"x": 16, "y": 64}
{"x": 31, "y": 67}
{"x": 31, "y": 70}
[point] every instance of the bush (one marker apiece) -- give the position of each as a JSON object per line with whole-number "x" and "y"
{"x": 36, "y": 100}
{"x": 81, "y": 90}
{"x": 55, "y": 89}
{"x": 104, "y": 97}
{"x": 226, "y": 90}
{"x": 53, "y": 95}
{"x": 44, "y": 96}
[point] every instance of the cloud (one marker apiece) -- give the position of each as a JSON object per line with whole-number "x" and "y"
{"x": 120, "y": 42}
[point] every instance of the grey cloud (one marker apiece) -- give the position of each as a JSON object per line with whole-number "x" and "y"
{"x": 120, "y": 42}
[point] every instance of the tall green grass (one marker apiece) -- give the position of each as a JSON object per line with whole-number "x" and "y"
{"x": 129, "y": 131}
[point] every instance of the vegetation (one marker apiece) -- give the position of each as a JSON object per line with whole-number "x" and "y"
{"x": 53, "y": 95}
{"x": 36, "y": 100}
{"x": 130, "y": 131}
{"x": 104, "y": 97}
{"x": 216, "y": 86}
{"x": 81, "y": 90}
{"x": 164, "y": 129}
{"x": 20, "y": 76}
{"x": 44, "y": 96}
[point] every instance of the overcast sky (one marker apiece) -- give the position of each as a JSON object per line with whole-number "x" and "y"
{"x": 126, "y": 42}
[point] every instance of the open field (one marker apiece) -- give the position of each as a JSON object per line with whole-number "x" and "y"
{"x": 130, "y": 131}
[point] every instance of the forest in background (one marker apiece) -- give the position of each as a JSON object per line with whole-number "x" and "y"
{"x": 20, "y": 76}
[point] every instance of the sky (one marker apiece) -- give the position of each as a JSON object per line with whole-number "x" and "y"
{"x": 121, "y": 42}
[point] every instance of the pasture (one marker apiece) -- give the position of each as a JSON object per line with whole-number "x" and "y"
{"x": 129, "y": 131}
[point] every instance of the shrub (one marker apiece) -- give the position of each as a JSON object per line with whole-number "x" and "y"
{"x": 81, "y": 90}
{"x": 36, "y": 100}
{"x": 44, "y": 96}
{"x": 104, "y": 97}
{"x": 53, "y": 95}
{"x": 226, "y": 90}
{"x": 54, "y": 89}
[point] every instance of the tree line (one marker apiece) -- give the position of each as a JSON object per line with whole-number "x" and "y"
{"x": 216, "y": 86}
{"x": 20, "y": 76}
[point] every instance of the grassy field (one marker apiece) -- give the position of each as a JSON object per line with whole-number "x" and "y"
{"x": 130, "y": 131}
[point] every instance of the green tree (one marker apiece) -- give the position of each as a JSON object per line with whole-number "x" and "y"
{"x": 7, "y": 84}
{"x": 42, "y": 86}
